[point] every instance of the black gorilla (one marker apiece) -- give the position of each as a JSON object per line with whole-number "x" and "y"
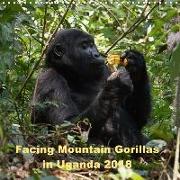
{"x": 77, "y": 83}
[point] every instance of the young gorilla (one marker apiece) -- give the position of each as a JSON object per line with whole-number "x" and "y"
{"x": 76, "y": 82}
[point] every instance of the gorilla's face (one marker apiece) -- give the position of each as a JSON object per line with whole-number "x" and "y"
{"x": 87, "y": 49}
{"x": 77, "y": 50}
{"x": 85, "y": 54}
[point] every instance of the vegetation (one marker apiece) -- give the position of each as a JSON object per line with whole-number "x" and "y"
{"x": 26, "y": 27}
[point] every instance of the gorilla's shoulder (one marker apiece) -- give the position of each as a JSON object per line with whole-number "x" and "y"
{"x": 50, "y": 77}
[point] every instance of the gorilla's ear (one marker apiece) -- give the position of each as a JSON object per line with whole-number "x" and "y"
{"x": 58, "y": 50}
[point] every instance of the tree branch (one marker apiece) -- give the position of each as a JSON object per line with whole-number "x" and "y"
{"x": 44, "y": 24}
{"x": 176, "y": 161}
{"x": 112, "y": 14}
{"x": 134, "y": 26}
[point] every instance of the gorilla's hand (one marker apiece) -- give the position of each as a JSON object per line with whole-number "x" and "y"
{"x": 120, "y": 82}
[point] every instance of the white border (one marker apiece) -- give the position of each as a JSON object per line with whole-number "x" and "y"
{"x": 58, "y": 1}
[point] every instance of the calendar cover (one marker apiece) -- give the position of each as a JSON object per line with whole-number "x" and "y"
{"x": 89, "y": 89}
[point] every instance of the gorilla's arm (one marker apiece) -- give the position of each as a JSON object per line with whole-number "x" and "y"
{"x": 142, "y": 109}
{"x": 53, "y": 97}
{"x": 138, "y": 104}
{"x": 115, "y": 91}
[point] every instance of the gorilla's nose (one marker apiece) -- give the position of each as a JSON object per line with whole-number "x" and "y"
{"x": 98, "y": 60}
{"x": 96, "y": 55}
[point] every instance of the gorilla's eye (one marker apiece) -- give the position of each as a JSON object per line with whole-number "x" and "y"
{"x": 84, "y": 45}
{"x": 91, "y": 44}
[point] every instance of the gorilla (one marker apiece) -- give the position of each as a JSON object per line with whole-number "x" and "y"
{"x": 76, "y": 82}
